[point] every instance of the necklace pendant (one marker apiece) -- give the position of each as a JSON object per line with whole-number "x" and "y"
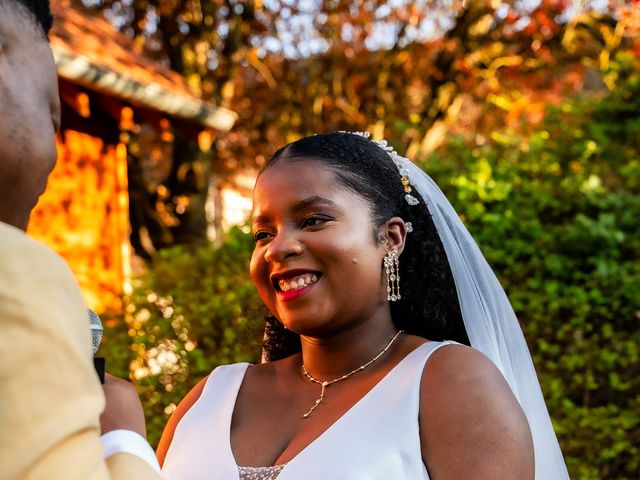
{"x": 306, "y": 415}
{"x": 326, "y": 383}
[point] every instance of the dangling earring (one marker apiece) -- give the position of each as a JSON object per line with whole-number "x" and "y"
{"x": 392, "y": 269}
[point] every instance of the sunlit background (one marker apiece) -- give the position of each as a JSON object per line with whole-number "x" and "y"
{"x": 526, "y": 112}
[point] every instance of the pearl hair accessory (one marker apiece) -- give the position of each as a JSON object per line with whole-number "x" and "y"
{"x": 326, "y": 383}
{"x": 395, "y": 156}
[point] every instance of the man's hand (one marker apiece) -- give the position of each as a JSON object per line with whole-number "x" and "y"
{"x": 123, "y": 408}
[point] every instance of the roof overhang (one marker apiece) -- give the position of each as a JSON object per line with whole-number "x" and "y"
{"x": 81, "y": 70}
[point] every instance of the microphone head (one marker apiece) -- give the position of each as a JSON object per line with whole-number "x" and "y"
{"x": 96, "y": 330}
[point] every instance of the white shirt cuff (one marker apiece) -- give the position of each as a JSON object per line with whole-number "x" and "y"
{"x": 128, "y": 441}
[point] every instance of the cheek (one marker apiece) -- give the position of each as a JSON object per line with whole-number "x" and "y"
{"x": 47, "y": 152}
{"x": 34, "y": 142}
{"x": 368, "y": 269}
{"x": 43, "y": 155}
{"x": 38, "y": 114}
{"x": 258, "y": 272}
{"x": 254, "y": 266}
{"x": 360, "y": 265}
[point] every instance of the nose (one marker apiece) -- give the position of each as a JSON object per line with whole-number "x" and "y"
{"x": 283, "y": 247}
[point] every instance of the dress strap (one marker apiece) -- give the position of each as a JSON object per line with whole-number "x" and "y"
{"x": 207, "y": 423}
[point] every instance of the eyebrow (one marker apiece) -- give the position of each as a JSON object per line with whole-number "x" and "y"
{"x": 314, "y": 200}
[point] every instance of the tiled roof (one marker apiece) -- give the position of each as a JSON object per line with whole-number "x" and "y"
{"x": 89, "y": 51}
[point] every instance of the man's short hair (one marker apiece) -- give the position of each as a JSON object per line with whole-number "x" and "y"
{"x": 38, "y": 11}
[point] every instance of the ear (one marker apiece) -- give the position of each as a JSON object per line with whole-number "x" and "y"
{"x": 394, "y": 234}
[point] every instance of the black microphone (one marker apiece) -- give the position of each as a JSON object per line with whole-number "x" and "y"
{"x": 96, "y": 338}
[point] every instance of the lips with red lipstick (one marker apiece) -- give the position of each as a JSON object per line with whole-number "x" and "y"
{"x": 294, "y": 283}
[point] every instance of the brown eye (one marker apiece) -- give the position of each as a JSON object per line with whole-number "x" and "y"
{"x": 260, "y": 235}
{"x": 314, "y": 220}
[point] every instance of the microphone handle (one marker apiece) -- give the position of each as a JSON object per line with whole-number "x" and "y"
{"x": 99, "y": 364}
{"x": 96, "y": 337}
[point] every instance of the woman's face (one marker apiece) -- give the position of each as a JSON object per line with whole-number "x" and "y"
{"x": 316, "y": 263}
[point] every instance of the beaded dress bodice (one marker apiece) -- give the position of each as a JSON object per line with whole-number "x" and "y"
{"x": 260, "y": 473}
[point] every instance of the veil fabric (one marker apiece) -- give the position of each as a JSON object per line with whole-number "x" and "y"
{"x": 489, "y": 319}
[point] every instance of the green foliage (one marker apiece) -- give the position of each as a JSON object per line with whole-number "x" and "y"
{"x": 192, "y": 311}
{"x": 557, "y": 215}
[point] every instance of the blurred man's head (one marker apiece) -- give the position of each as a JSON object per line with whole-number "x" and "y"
{"x": 29, "y": 107}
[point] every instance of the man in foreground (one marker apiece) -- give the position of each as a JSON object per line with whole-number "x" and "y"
{"x": 52, "y": 405}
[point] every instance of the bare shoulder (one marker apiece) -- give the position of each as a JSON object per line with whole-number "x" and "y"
{"x": 183, "y": 407}
{"x": 471, "y": 425}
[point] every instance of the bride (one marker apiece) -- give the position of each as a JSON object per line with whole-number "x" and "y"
{"x": 392, "y": 351}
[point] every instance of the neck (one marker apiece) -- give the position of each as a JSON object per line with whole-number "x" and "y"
{"x": 330, "y": 357}
{"x": 13, "y": 216}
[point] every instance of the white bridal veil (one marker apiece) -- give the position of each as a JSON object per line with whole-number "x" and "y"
{"x": 490, "y": 321}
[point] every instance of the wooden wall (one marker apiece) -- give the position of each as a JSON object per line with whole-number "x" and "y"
{"x": 84, "y": 216}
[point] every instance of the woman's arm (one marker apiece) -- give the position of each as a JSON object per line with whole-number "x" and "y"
{"x": 183, "y": 407}
{"x": 471, "y": 425}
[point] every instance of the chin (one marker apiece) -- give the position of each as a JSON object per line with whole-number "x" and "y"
{"x": 309, "y": 328}
{"x": 296, "y": 326}
{"x": 20, "y": 223}
{"x": 17, "y": 219}
{"x": 299, "y": 326}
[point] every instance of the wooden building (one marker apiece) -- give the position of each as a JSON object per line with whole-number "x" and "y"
{"x": 109, "y": 91}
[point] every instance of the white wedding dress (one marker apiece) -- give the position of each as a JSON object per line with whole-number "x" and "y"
{"x": 376, "y": 439}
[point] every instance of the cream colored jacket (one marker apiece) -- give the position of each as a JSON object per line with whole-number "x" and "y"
{"x": 50, "y": 397}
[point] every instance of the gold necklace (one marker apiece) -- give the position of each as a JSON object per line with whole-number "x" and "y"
{"x": 326, "y": 383}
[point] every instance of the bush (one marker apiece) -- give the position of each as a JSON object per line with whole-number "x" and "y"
{"x": 193, "y": 310}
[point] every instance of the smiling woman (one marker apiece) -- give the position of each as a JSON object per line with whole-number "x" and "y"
{"x": 315, "y": 227}
{"x": 374, "y": 286}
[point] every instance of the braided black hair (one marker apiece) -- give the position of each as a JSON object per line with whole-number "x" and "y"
{"x": 429, "y": 306}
